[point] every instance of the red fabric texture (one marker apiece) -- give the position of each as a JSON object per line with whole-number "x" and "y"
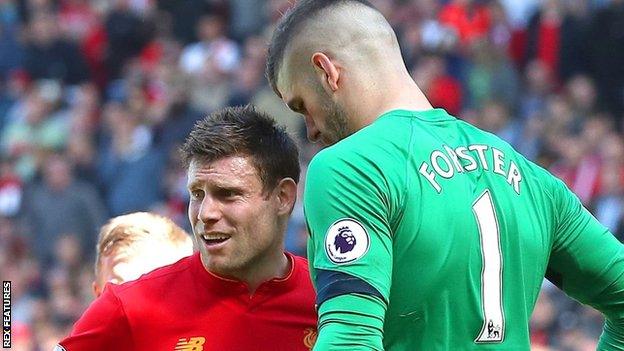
{"x": 183, "y": 306}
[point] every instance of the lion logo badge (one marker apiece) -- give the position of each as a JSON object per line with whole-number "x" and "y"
{"x": 346, "y": 240}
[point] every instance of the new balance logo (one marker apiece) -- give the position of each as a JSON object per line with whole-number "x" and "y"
{"x": 192, "y": 344}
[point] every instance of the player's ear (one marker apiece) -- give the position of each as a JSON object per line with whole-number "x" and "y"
{"x": 96, "y": 289}
{"x": 286, "y": 195}
{"x": 327, "y": 70}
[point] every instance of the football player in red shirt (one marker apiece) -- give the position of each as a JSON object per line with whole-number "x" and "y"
{"x": 137, "y": 243}
{"x": 241, "y": 291}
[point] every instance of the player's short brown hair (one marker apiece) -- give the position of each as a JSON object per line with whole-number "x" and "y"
{"x": 245, "y": 131}
{"x": 121, "y": 233}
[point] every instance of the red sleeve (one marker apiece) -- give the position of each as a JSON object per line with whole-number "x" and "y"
{"x": 103, "y": 326}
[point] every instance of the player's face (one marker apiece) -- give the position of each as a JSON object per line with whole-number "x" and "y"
{"x": 106, "y": 274}
{"x": 127, "y": 264}
{"x": 234, "y": 221}
{"x": 325, "y": 120}
{"x": 118, "y": 268}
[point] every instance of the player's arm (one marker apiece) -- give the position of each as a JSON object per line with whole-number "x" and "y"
{"x": 351, "y": 322}
{"x": 350, "y": 252}
{"x": 103, "y": 326}
{"x": 587, "y": 262}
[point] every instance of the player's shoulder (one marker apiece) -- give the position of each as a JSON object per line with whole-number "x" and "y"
{"x": 343, "y": 165}
{"x": 301, "y": 263}
{"x": 159, "y": 277}
{"x": 327, "y": 162}
{"x": 369, "y": 145}
{"x": 358, "y": 162}
{"x": 300, "y": 275}
{"x": 389, "y": 135}
{"x": 300, "y": 270}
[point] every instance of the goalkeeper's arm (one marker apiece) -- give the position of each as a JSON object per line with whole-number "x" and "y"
{"x": 351, "y": 322}
{"x": 587, "y": 262}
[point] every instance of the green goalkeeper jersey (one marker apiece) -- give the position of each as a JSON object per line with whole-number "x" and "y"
{"x": 435, "y": 235}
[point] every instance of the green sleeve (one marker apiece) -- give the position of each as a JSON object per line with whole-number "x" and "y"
{"x": 348, "y": 196}
{"x": 343, "y": 328}
{"x": 349, "y": 193}
{"x": 587, "y": 262}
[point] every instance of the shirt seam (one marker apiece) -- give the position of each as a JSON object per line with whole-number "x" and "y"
{"x": 408, "y": 179}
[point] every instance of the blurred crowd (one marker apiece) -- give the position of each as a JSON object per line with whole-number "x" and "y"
{"x": 96, "y": 96}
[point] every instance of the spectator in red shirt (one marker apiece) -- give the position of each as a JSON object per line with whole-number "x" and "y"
{"x": 469, "y": 19}
{"x": 242, "y": 291}
{"x": 442, "y": 89}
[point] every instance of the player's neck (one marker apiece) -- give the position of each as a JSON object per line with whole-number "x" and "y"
{"x": 274, "y": 266}
{"x": 400, "y": 93}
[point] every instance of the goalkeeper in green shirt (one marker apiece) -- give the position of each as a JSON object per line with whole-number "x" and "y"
{"x": 426, "y": 232}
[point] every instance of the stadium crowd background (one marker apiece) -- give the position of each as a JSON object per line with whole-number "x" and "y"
{"x": 96, "y": 95}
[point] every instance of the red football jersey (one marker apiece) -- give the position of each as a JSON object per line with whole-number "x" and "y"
{"x": 183, "y": 307}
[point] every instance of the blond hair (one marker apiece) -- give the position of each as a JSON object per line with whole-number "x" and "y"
{"x": 128, "y": 234}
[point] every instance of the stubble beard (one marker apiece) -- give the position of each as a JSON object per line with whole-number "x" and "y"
{"x": 336, "y": 123}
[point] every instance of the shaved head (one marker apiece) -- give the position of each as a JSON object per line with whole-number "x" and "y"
{"x": 351, "y": 31}
{"x": 339, "y": 65}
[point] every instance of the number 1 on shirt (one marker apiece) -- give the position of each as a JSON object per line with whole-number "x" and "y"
{"x": 491, "y": 274}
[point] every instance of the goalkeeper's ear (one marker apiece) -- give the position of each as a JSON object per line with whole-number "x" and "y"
{"x": 327, "y": 70}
